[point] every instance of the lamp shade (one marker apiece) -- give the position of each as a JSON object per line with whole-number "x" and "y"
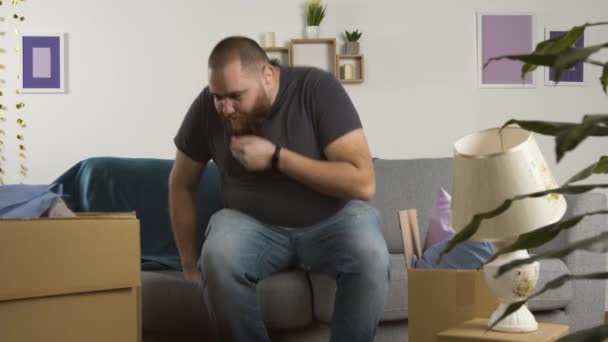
{"x": 491, "y": 166}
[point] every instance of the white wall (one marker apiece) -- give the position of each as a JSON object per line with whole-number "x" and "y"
{"x": 135, "y": 66}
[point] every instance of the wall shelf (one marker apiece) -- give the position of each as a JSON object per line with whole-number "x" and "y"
{"x": 320, "y": 53}
{"x": 358, "y": 63}
{"x": 317, "y": 52}
{"x": 282, "y": 53}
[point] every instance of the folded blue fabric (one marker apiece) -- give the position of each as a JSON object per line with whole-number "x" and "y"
{"x": 467, "y": 255}
{"x": 27, "y": 201}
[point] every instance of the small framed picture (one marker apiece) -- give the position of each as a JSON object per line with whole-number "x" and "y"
{"x": 574, "y": 76}
{"x": 504, "y": 33}
{"x": 43, "y": 69}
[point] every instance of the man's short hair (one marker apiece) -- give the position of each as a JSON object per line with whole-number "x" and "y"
{"x": 237, "y": 48}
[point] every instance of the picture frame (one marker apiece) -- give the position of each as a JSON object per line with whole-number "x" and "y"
{"x": 42, "y": 63}
{"x": 572, "y": 77}
{"x": 503, "y": 33}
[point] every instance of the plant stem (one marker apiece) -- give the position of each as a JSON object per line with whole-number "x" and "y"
{"x": 594, "y": 62}
{"x": 598, "y": 24}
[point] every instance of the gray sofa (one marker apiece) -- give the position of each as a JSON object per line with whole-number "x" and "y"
{"x": 298, "y": 306}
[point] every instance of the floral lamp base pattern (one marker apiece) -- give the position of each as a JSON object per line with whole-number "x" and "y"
{"x": 512, "y": 286}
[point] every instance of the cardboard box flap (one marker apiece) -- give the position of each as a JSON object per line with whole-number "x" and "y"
{"x": 410, "y": 232}
{"x": 102, "y": 215}
{"x": 47, "y": 257}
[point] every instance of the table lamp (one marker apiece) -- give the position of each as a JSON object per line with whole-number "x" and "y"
{"x": 491, "y": 166}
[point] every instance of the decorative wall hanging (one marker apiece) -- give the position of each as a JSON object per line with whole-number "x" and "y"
{"x": 43, "y": 63}
{"x": 503, "y": 33}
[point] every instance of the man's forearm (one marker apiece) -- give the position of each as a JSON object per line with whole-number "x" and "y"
{"x": 184, "y": 220}
{"x": 340, "y": 179}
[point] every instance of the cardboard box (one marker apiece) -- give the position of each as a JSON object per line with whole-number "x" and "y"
{"x": 476, "y": 330}
{"x": 439, "y": 299}
{"x": 73, "y": 279}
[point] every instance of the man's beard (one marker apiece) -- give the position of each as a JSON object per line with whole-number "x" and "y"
{"x": 249, "y": 123}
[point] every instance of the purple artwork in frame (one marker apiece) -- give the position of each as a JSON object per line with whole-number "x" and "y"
{"x": 43, "y": 63}
{"x": 572, "y": 76}
{"x": 504, "y": 34}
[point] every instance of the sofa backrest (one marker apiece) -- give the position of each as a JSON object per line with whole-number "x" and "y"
{"x": 405, "y": 184}
{"x": 408, "y": 184}
{"x": 108, "y": 184}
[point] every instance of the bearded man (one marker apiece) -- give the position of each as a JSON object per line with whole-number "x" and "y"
{"x": 296, "y": 176}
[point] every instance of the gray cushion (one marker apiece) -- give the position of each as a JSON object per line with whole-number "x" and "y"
{"x": 407, "y": 184}
{"x": 171, "y": 304}
{"x": 553, "y": 299}
{"x": 286, "y": 300}
{"x": 324, "y": 292}
{"x": 553, "y": 316}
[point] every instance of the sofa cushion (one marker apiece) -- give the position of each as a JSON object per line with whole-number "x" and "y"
{"x": 407, "y": 184}
{"x": 171, "y": 304}
{"x": 324, "y": 292}
{"x": 286, "y": 300}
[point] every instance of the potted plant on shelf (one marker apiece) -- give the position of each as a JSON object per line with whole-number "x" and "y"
{"x": 315, "y": 12}
{"x": 352, "y": 44}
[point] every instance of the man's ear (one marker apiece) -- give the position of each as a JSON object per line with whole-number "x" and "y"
{"x": 268, "y": 73}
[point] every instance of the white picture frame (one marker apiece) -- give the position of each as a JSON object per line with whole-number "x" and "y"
{"x": 42, "y": 67}
{"x": 483, "y": 82}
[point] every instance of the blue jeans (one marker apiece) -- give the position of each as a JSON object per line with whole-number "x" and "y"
{"x": 239, "y": 251}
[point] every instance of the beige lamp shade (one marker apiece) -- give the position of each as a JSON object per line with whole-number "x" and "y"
{"x": 491, "y": 166}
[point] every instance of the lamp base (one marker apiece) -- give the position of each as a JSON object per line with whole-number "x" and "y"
{"x": 512, "y": 286}
{"x": 521, "y": 320}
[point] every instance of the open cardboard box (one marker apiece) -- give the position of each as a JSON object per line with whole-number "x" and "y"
{"x": 70, "y": 279}
{"x": 439, "y": 299}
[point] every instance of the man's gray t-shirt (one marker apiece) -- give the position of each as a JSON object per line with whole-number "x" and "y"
{"x": 311, "y": 110}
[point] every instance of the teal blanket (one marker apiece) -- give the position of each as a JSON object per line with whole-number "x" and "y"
{"x": 109, "y": 184}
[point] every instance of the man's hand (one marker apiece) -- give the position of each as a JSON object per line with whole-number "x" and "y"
{"x": 192, "y": 274}
{"x": 253, "y": 152}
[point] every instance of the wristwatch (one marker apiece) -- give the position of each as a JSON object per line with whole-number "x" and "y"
{"x": 275, "y": 158}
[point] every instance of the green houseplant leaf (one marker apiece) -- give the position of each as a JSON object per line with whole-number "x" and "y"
{"x": 315, "y": 12}
{"x": 596, "y": 244}
{"x": 568, "y": 135}
{"x": 604, "y": 79}
{"x": 571, "y": 56}
{"x": 555, "y": 52}
{"x": 471, "y": 228}
{"x": 553, "y": 128}
{"x": 539, "y": 237}
{"x": 555, "y": 45}
{"x": 570, "y": 138}
{"x": 597, "y": 168}
{"x": 541, "y": 127}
